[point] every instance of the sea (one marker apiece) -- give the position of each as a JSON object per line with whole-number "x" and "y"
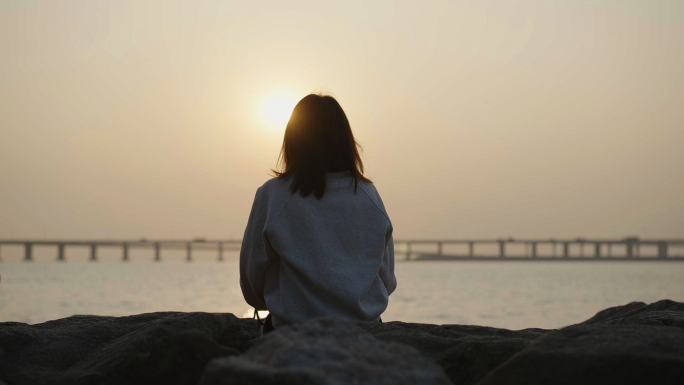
{"x": 511, "y": 295}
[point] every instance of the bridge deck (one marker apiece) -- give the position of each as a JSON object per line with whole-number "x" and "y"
{"x": 631, "y": 245}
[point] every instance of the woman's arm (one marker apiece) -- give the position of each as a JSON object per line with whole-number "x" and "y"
{"x": 387, "y": 268}
{"x": 253, "y": 258}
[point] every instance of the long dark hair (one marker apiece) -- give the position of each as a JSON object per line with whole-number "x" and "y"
{"x": 318, "y": 140}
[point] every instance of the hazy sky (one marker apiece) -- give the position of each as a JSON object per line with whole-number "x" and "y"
{"x": 483, "y": 119}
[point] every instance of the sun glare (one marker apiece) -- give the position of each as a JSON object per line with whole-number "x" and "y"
{"x": 277, "y": 111}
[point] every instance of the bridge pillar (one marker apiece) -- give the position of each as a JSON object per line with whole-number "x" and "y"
{"x": 566, "y": 249}
{"x": 502, "y": 249}
{"x": 553, "y": 245}
{"x": 471, "y": 249}
{"x": 629, "y": 252}
{"x": 93, "y": 252}
{"x": 534, "y": 249}
{"x": 439, "y": 248}
{"x": 597, "y": 250}
{"x": 581, "y": 249}
{"x": 60, "y": 252}
{"x": 408, "y": 250}
{"x": 125, "y": 252}
{"x": 220, "y": 251}
{"x": 157, "y": 252}
{"x": 189, "y": 248}
{"x": 662, "y": 250}
{"x": 28, "y": 252}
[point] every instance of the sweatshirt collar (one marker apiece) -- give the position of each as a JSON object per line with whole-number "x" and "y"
{"x": 339, "y": 175}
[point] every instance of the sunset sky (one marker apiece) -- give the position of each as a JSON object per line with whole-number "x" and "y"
{"x": 482, "y": 119}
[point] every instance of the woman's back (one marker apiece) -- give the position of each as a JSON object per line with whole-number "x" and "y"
{"x": 328, "y": 256}
{"x": 318, "y": 241}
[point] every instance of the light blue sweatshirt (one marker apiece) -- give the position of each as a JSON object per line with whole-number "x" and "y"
{"x": 302, "y": 257}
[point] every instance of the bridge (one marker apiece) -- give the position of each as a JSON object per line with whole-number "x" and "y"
{"x": 126, "y": 245}
{"x": 630, "y": 248}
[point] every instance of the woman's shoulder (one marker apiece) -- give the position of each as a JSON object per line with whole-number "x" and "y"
{"x": 373, "y": 194}
{"x": 273, "y": 189}
{"x": 370, "y": 190}
{"x": 270, "y": 199}
{"x": 276, "y": 183}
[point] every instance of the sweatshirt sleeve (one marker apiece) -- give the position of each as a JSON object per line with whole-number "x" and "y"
{"x": 253, "y": 258}
{"x": 387, "y": 268}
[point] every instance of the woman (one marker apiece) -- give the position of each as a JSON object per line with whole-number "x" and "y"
{"x": 318, "y": 240}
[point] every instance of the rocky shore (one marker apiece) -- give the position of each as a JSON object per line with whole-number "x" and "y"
{"x": 632, "y": 344}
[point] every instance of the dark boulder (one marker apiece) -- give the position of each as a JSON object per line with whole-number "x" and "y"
{"x": 665, "y": 312}
{"x": 324, "y": 351}
{"x": 466, "y": 353}
{"x": 598, "y": 354}
{"x": 632, "y": 344}
{"x": 169, "y": 348}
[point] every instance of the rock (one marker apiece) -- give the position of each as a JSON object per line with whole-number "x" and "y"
{"x": 631, "y": 344}
{"x": 324, "y": 351}
{"x": 466, "y": 353}
{"x": 169, "y": 348}
{"x": 598, "y": 354}
{"x": 665, "y": 312}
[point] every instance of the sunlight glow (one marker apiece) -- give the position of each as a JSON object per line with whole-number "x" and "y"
{"x": 277, "y": 110}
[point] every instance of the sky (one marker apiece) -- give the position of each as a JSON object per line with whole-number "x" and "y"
{"x": 482, "y": 119}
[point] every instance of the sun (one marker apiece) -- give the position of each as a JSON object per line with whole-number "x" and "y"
{"x": 277, "y": 110}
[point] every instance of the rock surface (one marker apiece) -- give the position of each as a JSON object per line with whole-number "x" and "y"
{"x": 325, "y": 351}
{"x": 665, "y": 312}
{"x": 632, "y": 344}
{"x": 169, "y": 348}
{"x": 598, "y": 354}
{"x": 467, "y": 353}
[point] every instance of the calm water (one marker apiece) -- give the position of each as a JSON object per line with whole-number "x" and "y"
{"x": 511, "y": 295}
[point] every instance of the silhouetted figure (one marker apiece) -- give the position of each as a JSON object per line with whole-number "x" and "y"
{"x": 318, "y": 241}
